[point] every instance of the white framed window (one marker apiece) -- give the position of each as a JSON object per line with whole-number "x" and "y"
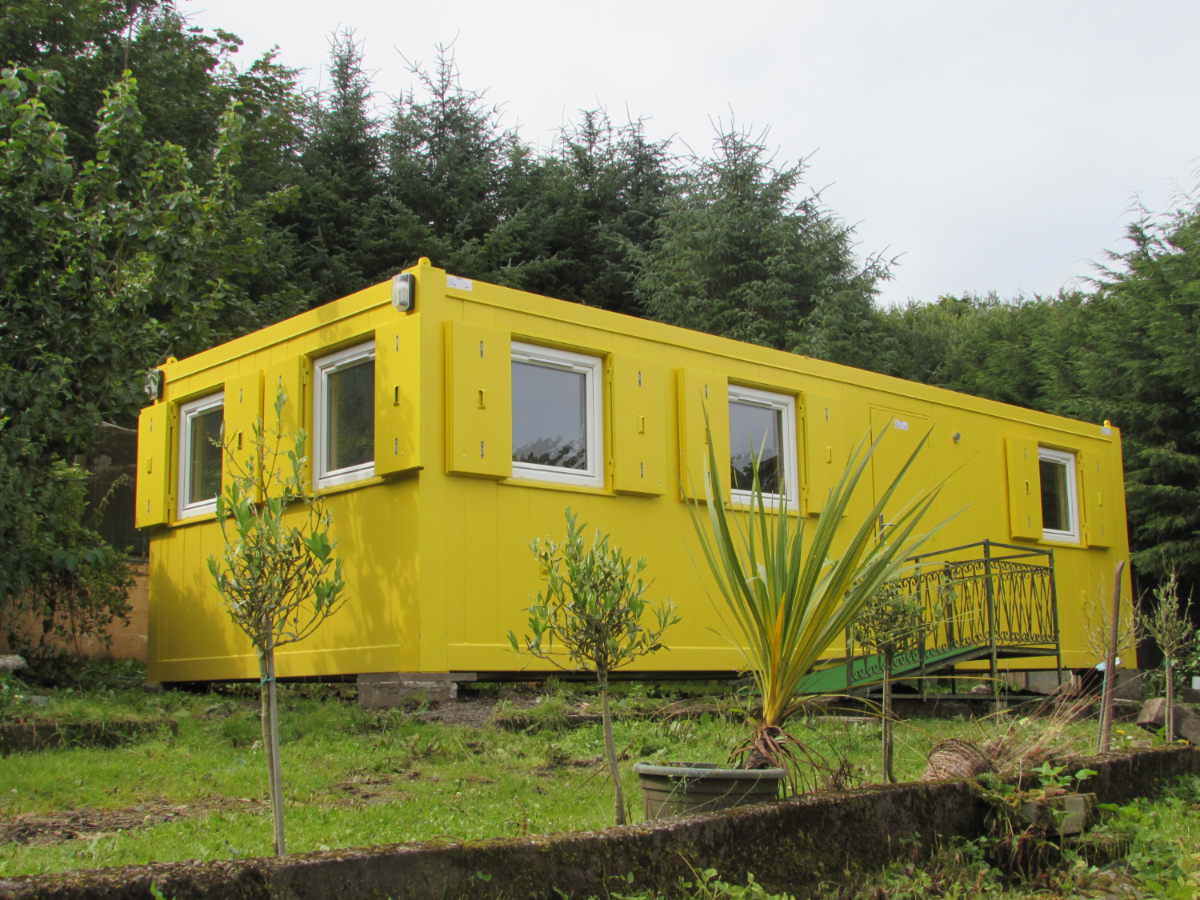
{"x": 762, "y": 424}
{"x": 557, "y": 418}
{"x": 344, "y": 416}
{"x": 201, "y": 423}
{"x": 1060, "y": 495}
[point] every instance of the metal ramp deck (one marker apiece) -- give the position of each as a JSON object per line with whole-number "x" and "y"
{"x": 979, "y": 601}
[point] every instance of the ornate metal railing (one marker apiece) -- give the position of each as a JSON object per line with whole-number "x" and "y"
{"x": 985, "y": 596}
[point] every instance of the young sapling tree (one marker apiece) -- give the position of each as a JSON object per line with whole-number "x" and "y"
{"x": 592, "y": 607}
{"x": 889, "y": 623}
{"x": 277, "y": 573}
{"x": 1106, "y": 638}
{"x": 1169, "y": 625}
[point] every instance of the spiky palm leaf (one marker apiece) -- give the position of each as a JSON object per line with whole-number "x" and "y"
{"x": 790, "y": 587}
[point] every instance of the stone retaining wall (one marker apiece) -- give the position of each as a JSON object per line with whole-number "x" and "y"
{"x": 790, "y": 845}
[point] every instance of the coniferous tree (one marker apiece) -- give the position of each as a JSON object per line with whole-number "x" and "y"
{"x": 1017, "y": 351}
{"x": 446, "y": 159}
{"x": 1140, "y": 364}
{"x": 579, "y": 218}
{"x": 338, "y": 220}
{"x": 738, "y": 255}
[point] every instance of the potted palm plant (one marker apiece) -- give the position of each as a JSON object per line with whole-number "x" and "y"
{"x": 790, "y": 586}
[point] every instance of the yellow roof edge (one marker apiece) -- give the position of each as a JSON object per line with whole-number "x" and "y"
{"x": 326, "y": 314}
{"x": 729, "y": 348}
{"x": 514, "y": 299}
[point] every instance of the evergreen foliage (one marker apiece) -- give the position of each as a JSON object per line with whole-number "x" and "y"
{"x": 1140, "y": 361}
{"x": 447, "y": 165}
{"x": 1016, "y": 351}
{"x": 579, "y": 219}
{"x": 739, "y": 255}
{"x": 338, "y": 220}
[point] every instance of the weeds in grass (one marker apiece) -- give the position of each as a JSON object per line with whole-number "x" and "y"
{"x": 12, "y": 694}
{"x": 1156, "y": 850}
{"x": 1025, "y": 827}
{"x": 704, "y": 884}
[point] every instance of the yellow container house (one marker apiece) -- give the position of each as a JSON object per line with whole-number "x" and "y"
{"x": 451, "y": 421}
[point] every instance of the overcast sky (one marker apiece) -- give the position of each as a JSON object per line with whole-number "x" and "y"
{"x": 991, "y": 146}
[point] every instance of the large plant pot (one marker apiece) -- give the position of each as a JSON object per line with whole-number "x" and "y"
{"x": 678, "y": 789}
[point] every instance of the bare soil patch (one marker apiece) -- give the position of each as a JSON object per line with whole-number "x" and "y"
{"x": 476, "y": 711}
{"x": 69, "y": 825}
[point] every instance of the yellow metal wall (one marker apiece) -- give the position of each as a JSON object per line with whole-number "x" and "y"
{"x": 435, "y": 546}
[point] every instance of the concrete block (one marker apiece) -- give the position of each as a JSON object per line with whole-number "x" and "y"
{"x": 1042, "y": 681}
{"x": 1153, "y": 714}
{"x": 1063, "y": 814}
{"x": 1129, "y": 685}
{"x": 1187, "y": 719}
{"x": 388, "y": 690}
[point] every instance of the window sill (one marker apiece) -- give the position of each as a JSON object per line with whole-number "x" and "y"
{"x": 194, "y": 519}
{"x": 557, "y": 486}
{"x": 743, "y": 505}
{"x": 342, "y": 487}
{"x": 1061, "y": 540}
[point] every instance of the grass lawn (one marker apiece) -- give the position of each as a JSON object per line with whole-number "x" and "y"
{"x": 355, "y": 778}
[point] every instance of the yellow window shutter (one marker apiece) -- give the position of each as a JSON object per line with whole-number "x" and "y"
{"x": 1024, "y": 488}
{"x": 398, "y": 396}
{"x": 639, "y": 427}
{"x": 826, "y": 449}
{"x": 290, "y": 377}
{"x": 478, "y": 401}
{"x": 699, "y": 392}
{"x": 243, "y": 410}
{"x": 152, "y": 493}
{"x": 1100, "y": 509}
